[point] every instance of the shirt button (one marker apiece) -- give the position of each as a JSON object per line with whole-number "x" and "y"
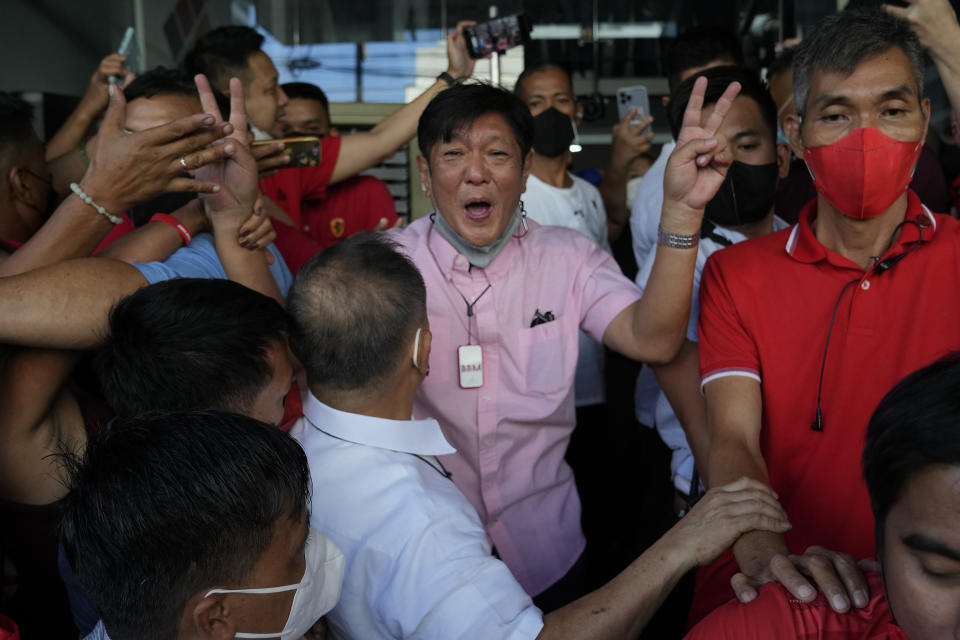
{"x": 865, "y": 285}
{"x": 487, "y": 442}
{"x": 461, "y": 261}
{"x": 306, "y": 227}
{"x": 488, "y": 484}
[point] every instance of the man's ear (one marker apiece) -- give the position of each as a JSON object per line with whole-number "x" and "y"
{"x": 791, "y": 125}
{"x": 18, "y": 185}
{"x": 925, "y": 108}
{"x": 211, "y": 617}
{"x": 423, "y": 351}
{"x": 784, "y": 154}
{"x": 577, "y": 112}
{"x": 424, "y": 170}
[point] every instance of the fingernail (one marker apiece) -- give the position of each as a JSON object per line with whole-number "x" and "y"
{"x": 860, "y": 598}
{"x": 229, "y": 148}
{"x": 839, "y": 602}
{"x": 111, "y": 89}
{"x": 215, "y": 188}
{"x": 747, "y": 597}
{"x": 279, "y": 146}
{"x": 806, "y": 592}
{"x": 208, "y": 120}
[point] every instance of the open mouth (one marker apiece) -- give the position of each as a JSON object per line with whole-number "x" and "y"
{"x": 478, "y": 208}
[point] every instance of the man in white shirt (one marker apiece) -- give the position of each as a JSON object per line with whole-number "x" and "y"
{"x": 743, "y": 208}
{"x": 418, "y": 563}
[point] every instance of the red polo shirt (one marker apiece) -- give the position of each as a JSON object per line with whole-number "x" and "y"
{"x": 351, "y": 206}
{"x": 776, "y": 615}
{"x": 766, "y": 306}
{"x": 290, "y": 187}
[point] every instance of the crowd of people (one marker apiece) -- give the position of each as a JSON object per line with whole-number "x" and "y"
{"x": 241, "y": 399}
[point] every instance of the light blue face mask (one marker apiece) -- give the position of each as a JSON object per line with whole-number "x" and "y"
{"x": 781, "y": 136}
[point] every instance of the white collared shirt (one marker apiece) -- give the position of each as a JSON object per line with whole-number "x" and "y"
{"x": 418, "y": 562}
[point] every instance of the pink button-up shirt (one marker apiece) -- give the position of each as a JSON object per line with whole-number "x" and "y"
{"x": 511, "y": 434}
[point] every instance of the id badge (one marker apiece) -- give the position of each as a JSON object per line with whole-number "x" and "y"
{"x": 470, "y": 358}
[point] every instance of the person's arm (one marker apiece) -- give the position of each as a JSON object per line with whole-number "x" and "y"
{"x": 360, "y": 151}
{"x": 629, "y": 142}
{"x": 125, "y": 169}
{"x": 653, "y": 328}
{"x": 734, "y": 406}
{"x": 64, "y": 305}
{"x": 40, "y": 420}
{"x": 234, "y": 203}
{"x": 94, "y": 101}
{"x": 680, "y": 382}
{"x": 622, "y": 607}
{"x": 156, "y": 241}
{"x": 935, "y": 24}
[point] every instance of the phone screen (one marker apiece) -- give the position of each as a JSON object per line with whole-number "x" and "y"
{"x": 498, "y": 35}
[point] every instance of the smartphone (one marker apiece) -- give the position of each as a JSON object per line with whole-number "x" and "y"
{"x": 127, "y": 49}
{"x": 633, "y": 97}
{"x": 497, "y": 35}
{"x": 304, "y": 151}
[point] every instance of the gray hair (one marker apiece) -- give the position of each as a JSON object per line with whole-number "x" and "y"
{"x": 843, "y": 40}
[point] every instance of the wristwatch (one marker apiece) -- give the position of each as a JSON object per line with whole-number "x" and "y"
{"x": 676, "y": 240}
{"x": 449, "y": 79}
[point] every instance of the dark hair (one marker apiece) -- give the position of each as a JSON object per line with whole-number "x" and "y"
{"x": 223, "y": 53}
{"x": 162, "y": 506}
{"x": 188, "y": 344}
{"x": 783, "y": 62}
{"x": 16, "y": 130}
{"x": 718, "y": 79}
{"x": 916, "y": 425}
{"x": 307, "y": 91}
{"x": 700, "y": 46}
{"x": 843, "y": 40}
{"x": 458, "y": 107}
{"x": 355, "y": 308}
{"x": 161, "y": 81}
{"x": 540, "y": 68}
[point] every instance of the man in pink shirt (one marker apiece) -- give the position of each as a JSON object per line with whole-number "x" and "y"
{"x": 505, "y": 299}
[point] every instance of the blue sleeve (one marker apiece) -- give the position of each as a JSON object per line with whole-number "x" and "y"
{"x": 200, "y": 260}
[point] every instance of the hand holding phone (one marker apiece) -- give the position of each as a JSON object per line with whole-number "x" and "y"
{"x": 497, "y": 35}
{"x": 304, "y": 151}
{"x": 633, "y": 98}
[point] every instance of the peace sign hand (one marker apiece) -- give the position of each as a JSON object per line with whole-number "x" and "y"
{"x": 698, "y": 165}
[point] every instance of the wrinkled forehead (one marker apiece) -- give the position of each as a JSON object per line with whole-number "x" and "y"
{"x": 871, "y": 78}
{"x": 146, "y": 113}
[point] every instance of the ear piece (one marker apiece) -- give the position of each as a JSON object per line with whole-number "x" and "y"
{"x": 416, "y": 348}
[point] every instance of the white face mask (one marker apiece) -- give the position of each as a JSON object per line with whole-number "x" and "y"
{"x": 633, "y": 185}
{"x": 316, "y": 594}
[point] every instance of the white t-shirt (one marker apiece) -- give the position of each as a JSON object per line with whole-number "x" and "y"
{"x": 663, "y": 417}
{"x": 578, "y": 207}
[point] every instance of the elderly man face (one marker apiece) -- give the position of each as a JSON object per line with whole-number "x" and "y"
{"x": 475, "y": 179}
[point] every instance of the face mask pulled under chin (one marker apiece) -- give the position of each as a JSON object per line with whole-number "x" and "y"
{"x": 864, "y": 172}
{"x": 552, "y": 133}
{"x": 316, "y": 593}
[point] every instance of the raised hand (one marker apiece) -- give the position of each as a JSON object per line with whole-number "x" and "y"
{"x": 129, "y": 168}
{"x": 459, "y": 62}
{"x": 934, "y": 22}
{"x": 236, "y": 172}
{"x": 630, "y": 140}
{"x": 698, "y": 165}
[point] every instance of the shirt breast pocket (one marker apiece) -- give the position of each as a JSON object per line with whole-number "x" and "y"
{"x": 543, "y": 358}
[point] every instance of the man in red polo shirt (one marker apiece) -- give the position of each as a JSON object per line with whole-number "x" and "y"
{"x": 803, "y": 330}
{"x": 911, "y": 464}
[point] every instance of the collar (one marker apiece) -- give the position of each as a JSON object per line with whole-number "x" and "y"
{"x": 803, "y": 246}
{"x": 421, "y": 437}
{"x": 449, "y": 260}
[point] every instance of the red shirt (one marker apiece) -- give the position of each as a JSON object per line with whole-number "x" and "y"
{"x": 776, "y": 615}
{"x": 766, "y": 306}
{"x": 351, "y": 206}
{"x": 290, "y": 187}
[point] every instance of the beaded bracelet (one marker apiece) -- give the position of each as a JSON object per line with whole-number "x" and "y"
{"x": 176, "y": 224}
{"x": 83, "y": 196}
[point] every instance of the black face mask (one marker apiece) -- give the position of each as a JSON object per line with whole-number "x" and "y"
{"x": 141, "y": 213}
{"x": 745, "y": 196}
{"x": 552, "y": 133}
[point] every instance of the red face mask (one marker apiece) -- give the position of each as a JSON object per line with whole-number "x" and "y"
{"x": 864, "y": 172}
